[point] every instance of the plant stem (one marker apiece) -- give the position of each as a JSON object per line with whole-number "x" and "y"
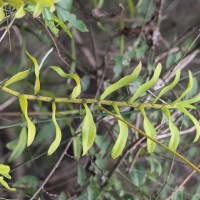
{"x": 89, "y": 101}
{"x": 152, "y": 139}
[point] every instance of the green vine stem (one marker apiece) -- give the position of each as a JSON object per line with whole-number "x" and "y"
{"x": 80, "y": 101}
{"x": 107, "y": 102}
{"x": 152, "y": 139}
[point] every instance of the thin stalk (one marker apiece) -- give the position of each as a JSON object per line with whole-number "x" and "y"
{"x": 89, "y": 101}
{"x": 152, "y": 139}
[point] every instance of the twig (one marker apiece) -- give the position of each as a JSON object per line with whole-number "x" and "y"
{"x": 52, "y": 171}
{"x": 187, "y": 178}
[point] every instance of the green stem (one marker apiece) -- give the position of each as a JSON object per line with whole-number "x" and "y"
{"x": 152, "y": 139}
{"x": 89, "y": 101}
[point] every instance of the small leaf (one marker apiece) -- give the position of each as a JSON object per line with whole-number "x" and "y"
{"x": 5, "y": 184}
{"x": 2, "y": 14}
{"x": 122, "y": 137}
{"x": 4, "y": 171}
{"x": 62, "y": 25}
{"x": 150, "y": 130}
{"x": 122, "y": 82}
{"x": 188, "y": 89}
{"x": 77, "y": 90}
{"x": 175, "y": 138}
{"x": 194, "y": 120}
{"x": 21, "y": 145}
{"x": 144, "y": 87}
{"x": 57, "y": 140}
{"x": 31, "y": 126}
{"x": 17, "y": 77}
{"x": 88, "y": 130}
{"x": 37, "y": 73}
{"x": 187, "y": 103}
{"x": 38, "y": 10}
{"x": 74, "y": 22}
{"x": 20, "y": 12}
{"x": 169, "y": 87}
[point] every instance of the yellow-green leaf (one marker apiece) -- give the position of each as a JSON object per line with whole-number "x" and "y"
{"x": 21, "y": 145}
{"x": 77, "y": 90}
{"x": 188, "y": 89}
{"x": 17, "y": 77}
{"x": 187, "y": 103}
{"x": 37, "y": 73}
{"x": 4, "y": 171}
{"x": 149, "y": 130}
{"x": 169, "y": 87}
{"x": 38, "y": 10}
{"x": 61, "y": 24}
{"x": 5, "y": 184}
{"x": 194, "y": 120}
{"x": 175, "y": 137}
{"x": 88, "y": 130}
{"x": 122, "y": 137}
{"x": 16, "y": 4}
{"x": 2, "y": 14}
{"x": 57, "y": 140}
{"x": 144, "y": 87}
{"x": 122, "y": 82}
{"x": 20, "y": 12}
{"x": 31, "y": 126}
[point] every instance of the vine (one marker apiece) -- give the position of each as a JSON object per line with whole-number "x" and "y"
{"x": 88, "y": 125}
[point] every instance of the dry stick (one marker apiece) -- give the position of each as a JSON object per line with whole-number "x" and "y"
{"x": 52, "y": 171}
{"x": 56, "y": 46}
{"x": 183, "y": 183}
{"x": 152, "y": 139}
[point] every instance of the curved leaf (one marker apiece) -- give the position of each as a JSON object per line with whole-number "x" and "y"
{"x": 57, "y": 140}
{"x": 31, "y": 126}
{"x": 144, "y": 87}
{"x": 175, "y": 137}
{"x": 122, "y": 82}
{"x": 19, "y": 6}
{"x": 77, "y": 90}
{"x": 21, "y": 145}
{"x": 149, "y": 130}
{"x": 37, "y": 72}
{"x": 4, "y": 171}
{"x": 194, "y": 120}
{"x": 2, "y": 14}
{"x": 188, "y": 89}
{"x": 187, "y": 103}
{"x": 122, "y": 137}
{"x": 88, "y": 130}
{"x": 169, "y": 87}
{"x": 5, "y": 184}
{"x": 17, "y": 77}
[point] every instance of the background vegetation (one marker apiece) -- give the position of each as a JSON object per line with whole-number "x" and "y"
{"x": 109, "y": 38}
